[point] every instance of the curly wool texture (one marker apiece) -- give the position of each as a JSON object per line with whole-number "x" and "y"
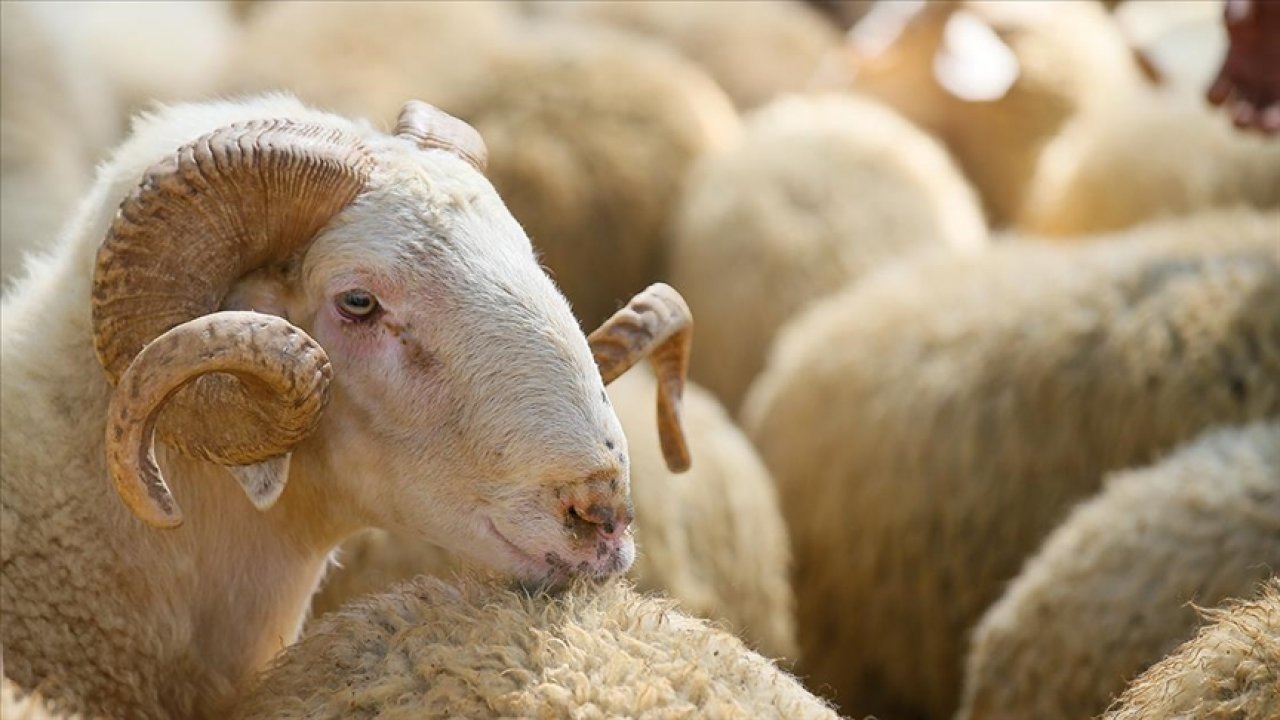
{"x": 591, "y": 134}
{"x": 819, "y": 190}
{"x": 1071, "y": 56}
{"x": 429, "y": 649}
{"x": 930, "y": 426}
{"x": 1118, "y": 167}
{"x": 712, "y": 539}
{"x": 1229, "y": 671}
{"x": 755, "y": 50}
{"x": 1110, "y": 592}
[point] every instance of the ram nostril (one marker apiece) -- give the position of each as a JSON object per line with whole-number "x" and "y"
{"x": 604, "y": 520}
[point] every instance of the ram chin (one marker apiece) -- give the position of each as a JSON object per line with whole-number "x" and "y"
{"x": 554, "y": 565}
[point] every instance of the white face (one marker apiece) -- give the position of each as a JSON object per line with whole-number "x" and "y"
{"x": 466, "y": 408}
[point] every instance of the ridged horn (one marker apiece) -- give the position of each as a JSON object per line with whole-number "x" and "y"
{"x": 238, "y": 199}
{"x": 279, "y": 367}
{"x": 432, "y": 128}
{"x": 656, "y": 323}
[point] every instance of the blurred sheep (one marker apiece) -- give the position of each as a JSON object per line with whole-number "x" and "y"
{"x": 755, "y": 49}
{"x": 428, "y": 649}
{"x": 929, "y": 426}
{"x": 55, "y": 121}
{"x": 1230, "y": 669}
{"x": 818, "y": 191}
{"x": 712, "y": 539}
{"x": 1116, "y": 167}
{"x": 994, "y": 80}
{"x": 1109, "y": 593}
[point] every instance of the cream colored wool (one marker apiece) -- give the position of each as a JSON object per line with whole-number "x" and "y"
{"x": 1071, "y": 56}
{"x": 929, "y": 426}
{"x": 590, "y": 131}
{"x": 819, "y": 190}
{"x": 1120, "y": 166}
{"x": 754, "y": 49}
{"x": 55, "y": 120}
{"x": 365, "y": 58}
{"x": 428, "y": 649}
{"x": 1111, "y": 591}
{"x": 15, "y": 704}
{"x": 1229, "y": 671}
{"x": 712, "y": 539}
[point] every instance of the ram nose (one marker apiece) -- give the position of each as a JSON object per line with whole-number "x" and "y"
{"x": 609, "y": 522}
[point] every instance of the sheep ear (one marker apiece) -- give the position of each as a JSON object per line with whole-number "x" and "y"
{"x": 973, "y": 63}
{"x": 263, "y": 482}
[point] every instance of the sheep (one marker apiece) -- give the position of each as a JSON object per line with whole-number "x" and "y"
{"x": 379, "y": 338}
{"x": 754, "y": 49}
{"x": 590, "y": 132}
{"x": 1231, "y": 669}
{"x": 929, "y": 426}
{"x": 18, "y": 705}
{"x": 819, "y": 190}
{"x": 55, "y": 119}
{"x": 994, "y": 80}
{"x": 1117, "y": 167}
{"x": 146, "y": 52}
{"x": 712, "y": 540}
{"x": 1107, "y": 594}
{"x": 428, "y": 649}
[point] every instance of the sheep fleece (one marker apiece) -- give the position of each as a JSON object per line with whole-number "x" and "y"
{"x": 1229, "y": 671}
{"x": 931, "y": 425}
{"x": 429, "y": 649}
{"x": 1111, "y": 591}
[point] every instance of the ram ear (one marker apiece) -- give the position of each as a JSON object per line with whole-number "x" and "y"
{"x": 974, "y": 63}
{"x": 264, "y": 481}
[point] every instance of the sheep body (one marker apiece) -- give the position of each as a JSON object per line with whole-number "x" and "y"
{"x": 1069, "y": 57}
{"x": 712, "y": 539}
{"x": 1119, "y": 166}
{"x": 429, "y": 649}
{"x": 932, "y": 424}
{"x": 1109, "y": 593}
{"x": 755, "y": 50}
{"x": 818, "y": 191}
{"x": 1229, "y": 671}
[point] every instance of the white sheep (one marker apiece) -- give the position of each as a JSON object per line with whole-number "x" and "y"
{"x": 754, "y": 49}
{"x": 590, "y": 131}
{"x": 1109, "y": 593}
{"x": 994, "y": 80}
{"x": 713, "y": 539}
{"x": 55, "y": 120}
{"x": 428, "y": 649}
{"x": 406, "y": 364}
{"x": 929, "y": 426}
{"x": 1118, "y": 166}
{"x": 818, "y": 191}
{"x": 1230, "y": 669}
{"x": 18, "y": 705}
{"x": 144, "y": 52}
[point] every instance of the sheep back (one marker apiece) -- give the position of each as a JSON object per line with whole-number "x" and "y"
{"x": 929, "y": 426}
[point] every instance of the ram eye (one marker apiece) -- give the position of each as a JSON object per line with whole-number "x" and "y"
{"x": 357, "y": 304}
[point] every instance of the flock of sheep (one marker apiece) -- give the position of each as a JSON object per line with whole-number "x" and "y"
{"x": 982, "y": 418}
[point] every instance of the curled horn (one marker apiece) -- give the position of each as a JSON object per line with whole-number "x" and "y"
{"x": 656, "y": 323}
{"x": 433, "y": 128}
{"x": 238, "y": 199}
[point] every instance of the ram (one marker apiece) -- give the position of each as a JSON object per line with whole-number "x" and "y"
{"x": 346, "y": 326}
{"x": 931, "y": 425}
{"x": 1230, "y": 669}
{"x": 1110, "y": 592}
{"x": 713, "y": 539}
{"x": 429, "y": 649}
{"x": 819, "y": 190}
